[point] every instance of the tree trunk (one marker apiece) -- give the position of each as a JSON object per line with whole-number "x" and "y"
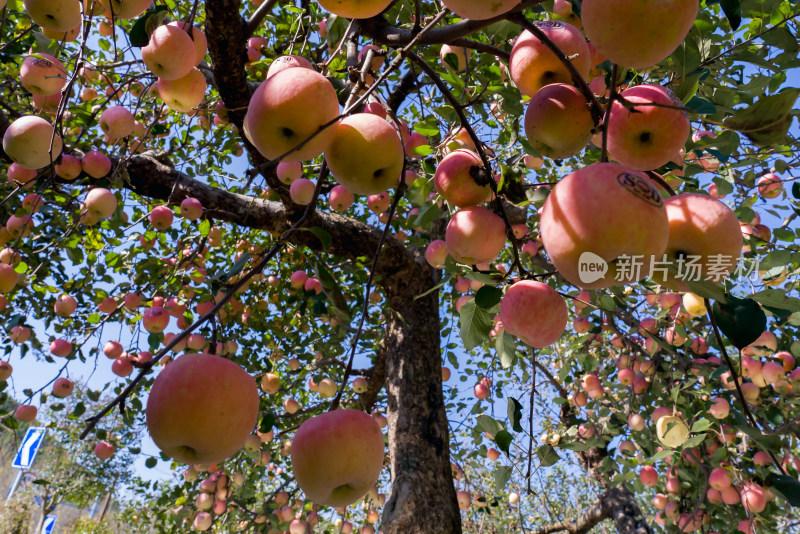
{"x": 423, "y": 499}
{"x": 624, "y": 511}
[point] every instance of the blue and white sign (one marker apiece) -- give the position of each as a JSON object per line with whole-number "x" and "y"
{"x": 49, "y": 524}
{"x": 34, "y": 438}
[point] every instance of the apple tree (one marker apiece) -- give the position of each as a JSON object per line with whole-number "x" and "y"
{"x": 478, "y": 266}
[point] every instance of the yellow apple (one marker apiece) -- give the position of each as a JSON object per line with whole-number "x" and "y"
{"x": 27, "y": 142}
{"x": 57, "y": 15}
{"x": 479, "y": 9}
{"x": 365, "y": 154}
{"x": 355, "y": 9}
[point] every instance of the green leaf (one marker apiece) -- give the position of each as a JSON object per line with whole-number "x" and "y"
{"x": 324, "y": 237}
{"x": 139, "y": 34}
{"x": 577, "y": 446}
{"x": 547, "y": 456}
{"x": 428, "y": 127}
{"x": 267, "y": 422}
{"x": 503, "y": 440}
{"x": 694, "y": 441}
{"x": 767, "y": 121}
{"x": 701, "y": 106}
{"x": 506, "y": 349}
{"x": 79, "y": 410}
{"x": 501, "y": 476}
{"x": 701, "y": 425}
{"x": 741, "y": 320}
{"x": 733, "y": 12}
{"x": 788, "y": 486}
{"x": 515, "y": 414}
{"x": 331, "y": 289}
{"x": 488, "y": 297}
{"x": 776, "y": 298}
{"x": 475, "y": 325}
{"x": 490, "y": 424}
{"x": 150, "y": 462}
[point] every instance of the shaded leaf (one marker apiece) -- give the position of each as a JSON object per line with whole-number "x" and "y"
{"x": 506, "y": 349}
{"x": 741, "y": 320}
{"x": 490, "y": 424}
{"x": 788, "y": 486}
{"x": 515, "y": 414}
{"x": 488, "y": 297}
{"x": 768, "y": 120}
{"x": 503, "y": 440}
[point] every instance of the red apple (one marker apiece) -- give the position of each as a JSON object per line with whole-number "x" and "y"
{"x": 650, "y": 135}
{"x": 533, "y": 65}
{"x": 337, "y": 456}
{"x": 279, "y": 116}
{"x": 104, "y": 450}
{"x": 475, "y": 235}
{"x": 43, "y": 75}
{"x": 637, "y": 33}
{"x": 201, "y": 408}
{"x": 96, "y": 164}
{"x": 454, "y": 179}
{"x": 590, "y": 225}
{"x": 558, "y": 122}
{"x": 25, "y": 413}
{"x": 63, "y": 387}
{"x": 170, "y": 54}
{"x": 534, "y": 312}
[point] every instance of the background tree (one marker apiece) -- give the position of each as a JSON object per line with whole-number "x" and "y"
{"x": 275, "y": 278}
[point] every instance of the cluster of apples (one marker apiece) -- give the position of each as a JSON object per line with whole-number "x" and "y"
{"x": 761, "y": 365}
{"x": 363, "y": 151}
